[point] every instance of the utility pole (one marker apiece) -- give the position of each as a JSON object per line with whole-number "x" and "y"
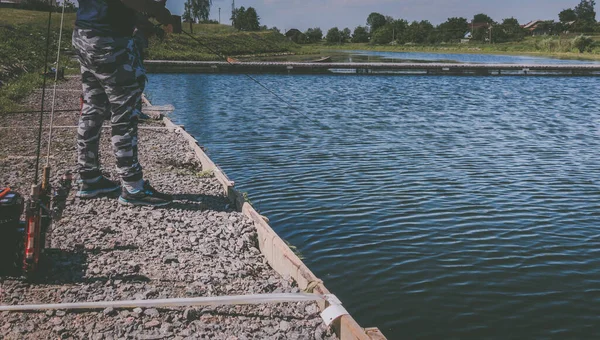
{"x": 232, "y": 11}
{"x": 219, "y": 15}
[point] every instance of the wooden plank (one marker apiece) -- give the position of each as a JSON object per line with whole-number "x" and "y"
{"x": 346, "y": 328}
{"x": 374, "y": 333}
{"x": 283, "y": 260}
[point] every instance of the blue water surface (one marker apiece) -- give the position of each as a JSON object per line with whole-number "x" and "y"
{"x": 433, "y": 207}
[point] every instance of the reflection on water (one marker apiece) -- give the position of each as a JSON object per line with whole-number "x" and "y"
{"x": 424, "y": 57}
{"x": 434, "y": 207}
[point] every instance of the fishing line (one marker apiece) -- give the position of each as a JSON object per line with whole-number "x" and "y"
{"x": 62, "y": 18}
{"x": 281, "y": 99}
{"x": 289, "y": 105}
{"x": 39, "y": 140}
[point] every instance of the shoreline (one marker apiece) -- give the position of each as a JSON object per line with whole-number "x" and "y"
{"x": 453, "y": 49}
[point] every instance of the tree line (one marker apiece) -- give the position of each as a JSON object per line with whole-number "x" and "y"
{"x": 381, "y": 29}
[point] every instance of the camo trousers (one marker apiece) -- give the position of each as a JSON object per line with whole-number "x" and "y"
{"x": 113, "y": 80}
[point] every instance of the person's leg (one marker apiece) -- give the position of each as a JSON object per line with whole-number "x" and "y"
{"x": 124, "y": 84}
{"x": 95, "y": 105}
{"x": 124, "y": 90}
{"x": 95, "y": 108}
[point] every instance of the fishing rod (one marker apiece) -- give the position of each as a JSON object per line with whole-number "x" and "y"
{"x": 38, "y": 207}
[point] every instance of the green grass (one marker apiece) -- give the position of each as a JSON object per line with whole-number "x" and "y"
{"x": 22, "y": 51}
{"x": 217, "y": 40}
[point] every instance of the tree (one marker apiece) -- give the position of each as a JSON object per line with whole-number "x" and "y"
{"x": 196, "y": 10}
{"x": 252, "y": 20}
{"x": 237, "y": 17}
{"x": 334, "y": 36}
{"x": 583, "y": 26}
{"x": 314, "y": 35}
{"x": 398, "y": 29}
{"x": 419, "y": 32}
{"x": 70, "y": 6}
{"x": 482, "y": 18}
{"x": 453, "y": 29}
{"x": 585, "y": 11}
{"x": 376, "y": 21}
{"x": 508, "y": 30}
{"x": 346, "y": 35}
{"x": 384, "y": 35}
{"x": 361, "y": 35}
{"x": 246, "y": 19}
{"x": 567, "y": 15}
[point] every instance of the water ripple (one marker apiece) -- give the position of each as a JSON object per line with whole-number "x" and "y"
{"x": 453, "y": 207}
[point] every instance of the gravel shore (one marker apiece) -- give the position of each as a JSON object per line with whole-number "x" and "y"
{"x": 102, "y": 251}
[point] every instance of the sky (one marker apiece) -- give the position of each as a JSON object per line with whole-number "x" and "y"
{"x": 303, "y": 14}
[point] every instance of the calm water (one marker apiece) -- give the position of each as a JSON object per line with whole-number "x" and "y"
{"x": 434, "y": 207}
{"x": 462, "y": 58}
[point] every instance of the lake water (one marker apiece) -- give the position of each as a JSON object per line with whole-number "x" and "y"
{"x": 364, "y": 56}
{"x": 433, "y": 207}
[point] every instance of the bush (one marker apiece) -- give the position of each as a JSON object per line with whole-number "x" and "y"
{"x": 583, "y": 43}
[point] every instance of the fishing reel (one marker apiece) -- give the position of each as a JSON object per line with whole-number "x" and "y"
{"x": 23, "y": 242}
{"x": 11, "y": 229}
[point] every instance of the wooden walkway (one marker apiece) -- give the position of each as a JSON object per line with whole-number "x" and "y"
{"x": 161, "y": 66}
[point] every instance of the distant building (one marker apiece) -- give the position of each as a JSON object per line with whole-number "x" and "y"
{"x": 292, "y": 33}
{"x": 474, "y": 26}
{"x": 539, "y": 27}
{"x": 295, "y": 35}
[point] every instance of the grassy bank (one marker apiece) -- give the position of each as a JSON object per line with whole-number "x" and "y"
{"x": 23, "y": 44}
{"x": 22, "y": 50}
{"x": 218, "y": 38}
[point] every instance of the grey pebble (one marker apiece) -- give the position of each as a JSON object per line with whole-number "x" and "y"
{"x": 151, "y": 312}
{"x": 109, "y": 311}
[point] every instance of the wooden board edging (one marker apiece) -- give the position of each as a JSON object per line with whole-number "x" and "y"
{"x": 278, "y": 254}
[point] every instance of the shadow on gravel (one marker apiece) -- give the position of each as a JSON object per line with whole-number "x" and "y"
{"x": 195, "y": 202}
{"x": 63, "y": 266}
{"x": 136, "y": 278}
{"x": 69, "y": 267}
{"x": 56, "y": 266}
{"x": 96, "y": 251}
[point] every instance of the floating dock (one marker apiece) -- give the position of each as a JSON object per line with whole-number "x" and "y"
{"x": 437, "y": 69}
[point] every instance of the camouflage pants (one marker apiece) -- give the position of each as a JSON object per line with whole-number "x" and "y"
{"x": 113, "y": 79}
